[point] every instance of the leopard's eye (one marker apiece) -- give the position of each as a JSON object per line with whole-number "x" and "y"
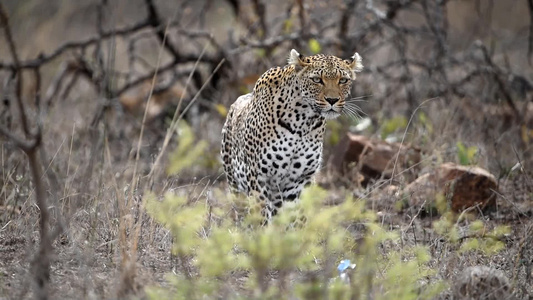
{"x": 343, "y": 80}
{"x": 316, "y": 79}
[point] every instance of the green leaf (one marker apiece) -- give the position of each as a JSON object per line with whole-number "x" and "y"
{"x": 392, "y": 125}
{"x": 188, "y": 152}
{"x": 334, "y": 129}
{"x": 287, "y": 26}
{"x": 441, "y": 203}
{"x": 477, "y": 227}
{"x": 466, "y": 155}
{"x": 314, "y": 46}
{"x": 426, "y": 122}
{"x": 471, "y": 244}
{"x": 501, "y": 230}
{"x": 260, "y": 52}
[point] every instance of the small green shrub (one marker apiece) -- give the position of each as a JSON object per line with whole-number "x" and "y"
{"x": 475, "y": 237}
{"x": 466, "y": 155}
{"x": 283, "y": 260}
{"x": 314, "y": 46}
{"x": 426, "y": 129}
{"x": 334, "y": 132}
{"x": 392, "y": 125}
{"x": 188, "y": 151}
{"x": 426, "y": 123}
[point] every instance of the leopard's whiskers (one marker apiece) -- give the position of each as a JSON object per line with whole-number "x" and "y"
{"x": 352, "y": 110}
{"x": 359, "y": 99}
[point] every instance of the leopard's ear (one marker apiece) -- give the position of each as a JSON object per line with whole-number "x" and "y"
{"x": 355, "y": 62}
{"x": 297, "y": 60}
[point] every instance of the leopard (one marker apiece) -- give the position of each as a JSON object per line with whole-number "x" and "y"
{"x": 272, "y": 138}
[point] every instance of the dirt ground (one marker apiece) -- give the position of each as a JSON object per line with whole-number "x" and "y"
{"x": 92, "y": 151}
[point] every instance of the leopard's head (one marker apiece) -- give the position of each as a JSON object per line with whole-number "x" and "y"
{"x": 325, "y": 81}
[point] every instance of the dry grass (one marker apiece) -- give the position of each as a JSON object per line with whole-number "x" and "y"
{"x": 96, "y": 173}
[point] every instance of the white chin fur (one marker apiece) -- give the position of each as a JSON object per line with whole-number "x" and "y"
{"x": 329, "y": 115}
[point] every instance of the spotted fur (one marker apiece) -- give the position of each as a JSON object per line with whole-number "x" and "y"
{"x": 272, "y": 139}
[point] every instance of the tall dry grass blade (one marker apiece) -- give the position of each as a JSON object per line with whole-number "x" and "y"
{"x": 66, "y": 189}
{"x": 175, "y": 118}
{"x": 128, "y": 255}
{"x": 405, "y": 134}
{"x": 133, "y": 185}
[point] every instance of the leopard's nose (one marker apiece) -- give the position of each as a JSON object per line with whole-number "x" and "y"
{"x": 332, "y": 100}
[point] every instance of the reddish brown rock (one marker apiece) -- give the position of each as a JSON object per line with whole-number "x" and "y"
{"x": 135, "y": 100}
{"x": 373, "y": 158}
{"x": 463, "y": 187}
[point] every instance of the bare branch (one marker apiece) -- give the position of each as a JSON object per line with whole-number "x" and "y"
{"x": 43, "y": 58}
{"x": 343, "y": 27}
{"x": 530, "y": 38}
{"x": 41, "y": 260}
{"x": 23, "y": 144}
{"x": 4, "y": 21}
{"x": 260, "y": 11}
{"x": 155, "y": 21}
{"x": 301, "y": 17}
{"x": 501, "y": 85}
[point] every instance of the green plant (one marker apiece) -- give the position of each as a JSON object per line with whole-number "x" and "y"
{"x": 286, "y": 259}
{"x": 392, "y": 125}
{"x": 314, "y": 46}
{"x": 426, "y": 123}
{"x": 466, "y": 155}
{"x": 476, "y": 236}
{"x": 426, "y": 128}
{"x": 188, "y": 151}
{"x": 295, "y": 255}
{"x": 333, "y": 132}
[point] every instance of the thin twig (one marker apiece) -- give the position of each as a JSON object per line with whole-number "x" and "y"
{"x": 530, "y": 38}
{"x": 499, "y": 82}
{"x": 133, "y": 185}
{"x": 413, "y": 114}
{"x": 174, "y": 121}
{"x": 4, "y": 21}
{"x": 260, "y": 11}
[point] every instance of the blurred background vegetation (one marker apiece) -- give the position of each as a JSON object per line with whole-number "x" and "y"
{"x": 130, "y": 97}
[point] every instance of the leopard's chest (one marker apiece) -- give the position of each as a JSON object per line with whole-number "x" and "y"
{"x": 291, "y": 154}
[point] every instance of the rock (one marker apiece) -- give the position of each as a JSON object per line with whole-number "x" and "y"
{"x": 374, "y": 158}
{"x": 135, "y": 100}
{"x": 463, "y": 187}
{"x": 481, "y": 282}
